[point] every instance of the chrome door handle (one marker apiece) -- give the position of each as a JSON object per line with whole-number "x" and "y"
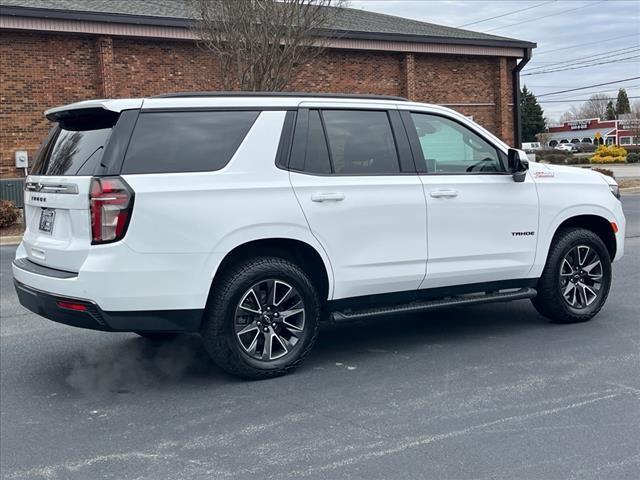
{"x": 327, "y": 197}
{"x": 443, "y": 193}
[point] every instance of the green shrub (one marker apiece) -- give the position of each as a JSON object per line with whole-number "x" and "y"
{"x": 8, "y": 213}
{"x": 575, "y": 160}
{"x": 632, "y": 148}
{"x": 633, "y": 157}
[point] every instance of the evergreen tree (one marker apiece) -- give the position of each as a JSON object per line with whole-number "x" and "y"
{"x": 531, "y": 116}
{"x": 622, "y": 103}
{"x": 611, "y": 111}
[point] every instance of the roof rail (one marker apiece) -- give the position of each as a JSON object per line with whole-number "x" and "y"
{"x": 281, "y": 94}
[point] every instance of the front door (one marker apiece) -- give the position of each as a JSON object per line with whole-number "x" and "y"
{"x": 481, "y": 225}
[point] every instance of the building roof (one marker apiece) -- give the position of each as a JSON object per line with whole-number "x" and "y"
{"x": 351, "y": 23}
{"x": 591, "y": 133}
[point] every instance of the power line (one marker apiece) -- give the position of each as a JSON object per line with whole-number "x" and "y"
{"x": 544, "y": 52}
{"x": 545, "y": 16}
{"x": 581, "y": 99}
{"x": 505, "y": 14}
{"x": 589, "y": 86}
{"x": 576, "y": 68}
{"x": 629, "y": 88}
{"x": 595, "y": 56}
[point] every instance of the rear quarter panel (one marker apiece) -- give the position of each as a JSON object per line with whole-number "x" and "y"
{"x": 210, "y": 213}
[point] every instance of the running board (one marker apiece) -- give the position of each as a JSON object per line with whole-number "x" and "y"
{"x": 473, "y": 299}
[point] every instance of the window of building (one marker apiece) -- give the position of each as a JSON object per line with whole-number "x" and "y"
{"x": 449, "y": 147}
{"x": 186, "y": 141}
{"x": 625, "y": 140}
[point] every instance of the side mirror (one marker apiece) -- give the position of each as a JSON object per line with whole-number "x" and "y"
{"x": 517, "y": 167}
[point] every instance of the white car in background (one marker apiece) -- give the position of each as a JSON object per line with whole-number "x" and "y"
{"x": 567, "y": 147}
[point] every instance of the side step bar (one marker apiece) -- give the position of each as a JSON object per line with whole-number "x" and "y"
{"x": 473, "y": 299}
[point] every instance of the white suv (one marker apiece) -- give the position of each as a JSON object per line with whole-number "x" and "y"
{"x": 251, "y": 218}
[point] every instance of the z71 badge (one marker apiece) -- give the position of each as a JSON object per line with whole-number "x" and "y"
{"x": 544, "y": 174}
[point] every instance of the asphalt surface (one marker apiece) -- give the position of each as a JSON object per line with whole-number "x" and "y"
{"x": 489, "y": 392}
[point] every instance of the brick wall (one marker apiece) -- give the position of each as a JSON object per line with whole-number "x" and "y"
{"x": 38, "y": 71}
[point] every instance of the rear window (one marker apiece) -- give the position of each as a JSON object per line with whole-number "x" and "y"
{"x": 167, "y": 142}
{"x": 72, "y": 151}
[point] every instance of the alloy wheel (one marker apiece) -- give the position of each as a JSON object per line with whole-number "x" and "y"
{"x": 269, "y": 320}
{"x": 581, "y": 276}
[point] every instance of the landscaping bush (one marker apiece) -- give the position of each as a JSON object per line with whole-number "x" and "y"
{"x": 609, "y": 154}
{"x": 586, "y": 147}
{"x": 8, "y": 213}
{"x": 555, "y": 158}
{"x": 604, "y": 171}
{"x": 633, "y": 157}
{"x": 576, "y": 160}
{"x": 609, "y": 159}
{"x": 632, "y": 148}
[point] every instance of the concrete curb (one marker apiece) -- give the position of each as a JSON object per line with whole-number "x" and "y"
{"x": 10, "y": 240}
{"x": 630, "y": 190}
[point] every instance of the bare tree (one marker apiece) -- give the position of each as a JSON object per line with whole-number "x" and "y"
{"x": 569, "y": 115}
{"x": 259, "y": 43}
{"x": 596, "y": 106}
{"x": 544, "y": 138}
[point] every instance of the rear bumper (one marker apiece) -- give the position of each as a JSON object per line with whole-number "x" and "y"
{"x": 86, "y": 314}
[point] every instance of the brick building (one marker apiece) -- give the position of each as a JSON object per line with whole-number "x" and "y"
{"x": 622, "y": 132}
{"x": 54, "y": 52}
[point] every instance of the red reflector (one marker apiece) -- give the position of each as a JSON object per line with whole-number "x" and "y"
{"x": 614, "y": 226}
{"x": 78, "y": 307}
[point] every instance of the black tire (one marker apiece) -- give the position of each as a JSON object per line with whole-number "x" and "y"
{"x": 219, "y": 322}
{"x": 550, "y": 301}
{"x": 157, "y": 337}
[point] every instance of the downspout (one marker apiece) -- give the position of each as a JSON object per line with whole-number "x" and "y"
{"x": 515, "y": 83}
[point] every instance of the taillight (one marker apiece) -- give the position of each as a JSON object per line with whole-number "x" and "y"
{"x": 111, "y": 206}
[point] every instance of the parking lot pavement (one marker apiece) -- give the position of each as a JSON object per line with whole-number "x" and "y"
{"x": 492, "y": 391}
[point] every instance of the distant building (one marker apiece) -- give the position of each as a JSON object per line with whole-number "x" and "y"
{"x": 623, "y": 131}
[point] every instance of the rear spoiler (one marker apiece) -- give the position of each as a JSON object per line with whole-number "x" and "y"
{"x": 92, "y": 107}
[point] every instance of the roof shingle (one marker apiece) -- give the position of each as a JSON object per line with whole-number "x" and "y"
{"x": 350, "y": 23}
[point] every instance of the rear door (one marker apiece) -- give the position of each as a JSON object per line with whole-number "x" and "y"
{"x": 58, "y": 224}
{"x": 353, "y": 176}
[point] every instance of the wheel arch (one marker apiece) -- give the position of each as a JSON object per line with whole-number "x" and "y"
{"x": 299, "y": 252}
{"x": 595, "y": 223}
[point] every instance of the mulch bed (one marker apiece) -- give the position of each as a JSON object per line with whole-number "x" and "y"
{"x": 11, "y": 230}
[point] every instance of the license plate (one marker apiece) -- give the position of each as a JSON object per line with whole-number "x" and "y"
{"x": 47, "y": 218}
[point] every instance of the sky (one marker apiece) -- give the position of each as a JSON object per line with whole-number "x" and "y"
{"x": 566, "y": 31}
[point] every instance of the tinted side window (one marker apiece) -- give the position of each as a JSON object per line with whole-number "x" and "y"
{"x": 165, "y": 142}
{"x": 361, "y": 142}
{"x": 317, "y": 159}
{"x": 448, "y": 147}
